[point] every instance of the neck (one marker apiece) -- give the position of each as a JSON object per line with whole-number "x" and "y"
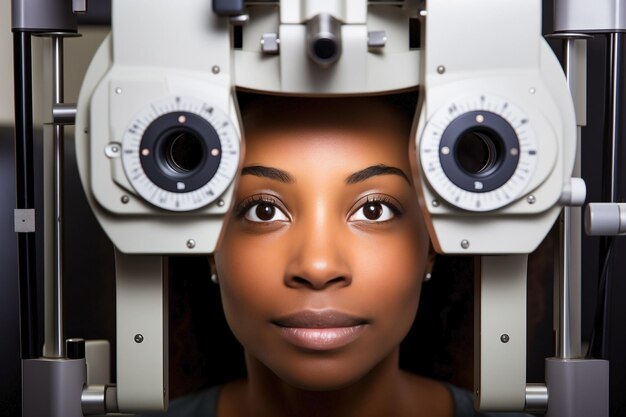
{"x": 380, "y": 392}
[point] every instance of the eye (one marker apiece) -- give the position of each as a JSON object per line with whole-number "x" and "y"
{"x": 374, "y": 211}
{"x": 264, "y": 211}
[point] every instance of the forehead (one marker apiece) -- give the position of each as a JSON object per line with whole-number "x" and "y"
{"x": 353, "y": 130}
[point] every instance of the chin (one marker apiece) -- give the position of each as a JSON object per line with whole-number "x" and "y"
{"x": 322, "y": 374}
{"x": 319, "y": 383}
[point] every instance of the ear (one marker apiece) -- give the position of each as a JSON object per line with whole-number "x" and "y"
{"x": 212, "y": 269}
{"x": 430, "y": 260}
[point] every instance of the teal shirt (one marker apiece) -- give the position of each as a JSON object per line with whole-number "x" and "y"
{"x": 204, "y": 404}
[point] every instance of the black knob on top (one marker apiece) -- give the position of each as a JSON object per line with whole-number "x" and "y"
{"x": 228, "y": 7}
{"x": 75, "y": 348}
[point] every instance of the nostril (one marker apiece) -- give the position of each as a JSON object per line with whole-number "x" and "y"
{"x": 336, "y": 280}
{"x": 301, "y": 281}
{"x": 316, "y": 283}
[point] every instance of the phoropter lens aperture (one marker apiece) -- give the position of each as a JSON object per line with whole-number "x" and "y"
{"x": 478, "y": 152}
{"x": 183, "y": 151}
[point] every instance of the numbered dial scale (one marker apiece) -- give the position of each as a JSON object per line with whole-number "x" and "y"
{"x": 180, "y": 153}
{"x": 478, "y": 153}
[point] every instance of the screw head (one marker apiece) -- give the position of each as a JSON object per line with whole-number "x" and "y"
{"x": 125, "y": 199}
{"x": 505, "y": 338}
{"x": 191, "y": 243}
{"x": 118, "y": 90}
{"x": 215, "y": 69}
{"x": 220, "y": 203}
{"x": 531, "y": 199}
{"x": 465, "y": 244}
{"x": 112, "y": 150}
{"x": 138, "y": 338}
{"x": 435, "y": 203}
{"x": 441, "y": 69}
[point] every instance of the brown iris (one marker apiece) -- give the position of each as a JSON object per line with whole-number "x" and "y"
{"x": 373, "y": 211}
{"x": 265, "y": 211}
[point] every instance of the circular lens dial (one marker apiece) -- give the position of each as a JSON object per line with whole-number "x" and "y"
{"x": 180, "y": 153}
{"x": 478, "y": 153}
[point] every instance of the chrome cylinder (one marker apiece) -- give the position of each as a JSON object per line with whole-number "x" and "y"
{"x": 323, "y": 38}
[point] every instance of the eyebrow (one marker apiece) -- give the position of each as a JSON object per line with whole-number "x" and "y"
{"x": 374, "y": 170}
{"x": 359, "y": 176}
{"x": 268, "y": 172}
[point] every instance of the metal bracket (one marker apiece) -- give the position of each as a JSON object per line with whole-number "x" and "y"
{"x": 24, "y": 220}
{"x": 577, "y": 387}
{"x": 141, "y": 303}
{"x": 79, "y": 6}
{"x": 52, "y": 387}
{"x": 500, "y": 333}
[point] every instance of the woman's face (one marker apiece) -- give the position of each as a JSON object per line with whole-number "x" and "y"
{"x": 322, "y": 259}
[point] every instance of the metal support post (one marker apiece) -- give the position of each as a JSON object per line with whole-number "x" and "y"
{"x": 576, "y": 387}
{"x": 53, "y": 205}
{"x": 51, "y": 386}
{"x": 28, "y": 17}
{"x": 568, "y": 277}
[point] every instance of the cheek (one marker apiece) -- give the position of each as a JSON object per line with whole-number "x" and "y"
{"x": 249, "y": 276}
{"x": 248, "y": 263}
{"x": 389, "y": 273}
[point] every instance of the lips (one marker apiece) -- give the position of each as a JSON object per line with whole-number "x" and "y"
{"x": 320, "y": 330}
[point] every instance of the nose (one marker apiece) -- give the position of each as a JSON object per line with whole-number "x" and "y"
{"x": 318, "y": 258}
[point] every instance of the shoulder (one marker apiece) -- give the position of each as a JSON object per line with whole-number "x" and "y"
{"x": 464, "y": 405}
{"x": 199, "y": 404}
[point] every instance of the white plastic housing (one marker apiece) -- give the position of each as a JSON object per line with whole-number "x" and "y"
{"x": 138, "y": 65}
{"x": 359, "y": 70}
{"x": 505, "y": 58}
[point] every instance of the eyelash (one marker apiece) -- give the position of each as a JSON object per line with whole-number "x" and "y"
{"x": 380, "y": 199}
{"x": 247, "y": 204}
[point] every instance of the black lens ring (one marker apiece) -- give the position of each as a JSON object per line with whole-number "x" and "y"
{"x": 153, "y": 153}
{"x": 496, "y": 128}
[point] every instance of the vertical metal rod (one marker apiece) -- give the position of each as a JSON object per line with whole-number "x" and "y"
{"x": 25, "y": 186}
{"x": 568, "y": 345}
{"x": 563, "y": 331}
{"x": 568, "y": 309}
{"x": 58, "y": 345}
{"x": 54, "y": 346}
{"x": 615, "y": 111}
{"x": 614, "y": 132}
